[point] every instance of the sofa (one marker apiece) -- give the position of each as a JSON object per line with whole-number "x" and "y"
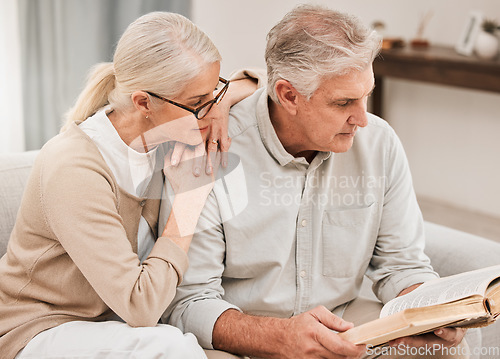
{"x": 451, "y": 251}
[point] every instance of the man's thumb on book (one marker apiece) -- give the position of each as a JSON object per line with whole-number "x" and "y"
{"x": 330, "y": 320}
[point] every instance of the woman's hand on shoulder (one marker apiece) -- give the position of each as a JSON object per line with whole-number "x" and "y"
{"x": 180, "y": 175}
{"x": 218, "y": 142}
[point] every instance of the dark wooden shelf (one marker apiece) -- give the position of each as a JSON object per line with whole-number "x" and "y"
{"x": 435, "y": 64}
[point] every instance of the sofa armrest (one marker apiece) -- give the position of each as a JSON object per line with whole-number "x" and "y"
{"x": 452, "y": 251}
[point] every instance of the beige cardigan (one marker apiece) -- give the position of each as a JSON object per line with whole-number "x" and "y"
{"x": 72, "y": 252}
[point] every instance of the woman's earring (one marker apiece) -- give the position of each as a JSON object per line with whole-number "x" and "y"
{"x": 147, "y": 117}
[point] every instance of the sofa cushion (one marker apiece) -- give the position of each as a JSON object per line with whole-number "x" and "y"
{"x": 14, "y": 171}
{"x": 452, "y": 251}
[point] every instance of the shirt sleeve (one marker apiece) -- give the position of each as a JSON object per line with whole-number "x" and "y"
{"x": 79, "y": 200}
{"x": 198, "y": 302}
{"x": 258, "y": 74}
{"x": 398, "y": 259}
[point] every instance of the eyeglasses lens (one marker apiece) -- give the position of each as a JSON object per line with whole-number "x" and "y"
{"x": 219, "y": 93}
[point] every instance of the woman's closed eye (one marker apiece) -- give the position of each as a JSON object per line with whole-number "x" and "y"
{"x": 198, "y": 103}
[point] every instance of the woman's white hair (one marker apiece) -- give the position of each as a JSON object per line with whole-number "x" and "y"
{"x": 312, "y": 43}
{"x": 159, "y": 52}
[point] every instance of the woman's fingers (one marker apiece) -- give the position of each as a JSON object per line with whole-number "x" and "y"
{"x": 224, "y": 147}
{"x": 199, "y": 152}
{"x": 212, "y": 147}
{"x": 179, "y": 149}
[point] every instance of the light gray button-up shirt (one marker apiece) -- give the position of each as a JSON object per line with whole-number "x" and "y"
{"x": 279, "y": 236}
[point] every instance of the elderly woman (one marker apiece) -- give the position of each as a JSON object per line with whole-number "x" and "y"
{"x": 87, "y": 272}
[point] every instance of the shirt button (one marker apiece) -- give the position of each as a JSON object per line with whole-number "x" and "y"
{"x": 302, "y": 274}
{"x": 303, "y": 223}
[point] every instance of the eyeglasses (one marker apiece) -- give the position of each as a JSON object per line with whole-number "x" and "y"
{"x": 201, "y": 111}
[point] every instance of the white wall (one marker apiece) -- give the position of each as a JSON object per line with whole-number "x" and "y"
{"x": 451, "y": 135}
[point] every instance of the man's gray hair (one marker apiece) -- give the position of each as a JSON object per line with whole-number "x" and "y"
{"x": 312, "y": 43}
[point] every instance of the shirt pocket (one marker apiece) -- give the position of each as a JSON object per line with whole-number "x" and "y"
{"x": 348, "y": 237}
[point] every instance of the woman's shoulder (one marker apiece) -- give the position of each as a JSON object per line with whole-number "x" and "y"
{"x": 72, "y": 134}
{"x": 71, "y": 148}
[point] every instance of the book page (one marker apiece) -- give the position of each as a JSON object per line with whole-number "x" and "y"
{"x": 444, "y": 290}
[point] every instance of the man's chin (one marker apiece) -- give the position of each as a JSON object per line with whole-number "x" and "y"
{"x": 342, "y": 147}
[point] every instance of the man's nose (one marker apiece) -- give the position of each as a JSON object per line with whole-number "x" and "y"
{"x": 358, "y": 116}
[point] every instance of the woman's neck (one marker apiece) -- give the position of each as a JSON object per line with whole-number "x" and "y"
{"x": 131, "y": 128}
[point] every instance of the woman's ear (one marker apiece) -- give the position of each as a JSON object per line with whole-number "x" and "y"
{"x": 141, "y": 102}
{"x": 287, "y": 95}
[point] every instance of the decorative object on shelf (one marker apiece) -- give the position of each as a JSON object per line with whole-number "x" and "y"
{"x": 419, "y": 41}
{"x": 379, "y": 26}
{"x": 387, "y": 42}
{"x": 465, "y": 44}
{"x": 392, "y": 43}
{"x": 486, "y": 45}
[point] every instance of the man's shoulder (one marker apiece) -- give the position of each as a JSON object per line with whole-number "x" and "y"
{"x": 243, "y": 115}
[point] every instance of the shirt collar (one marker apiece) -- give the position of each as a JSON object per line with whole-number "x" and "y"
{"x": 272, "y": 142}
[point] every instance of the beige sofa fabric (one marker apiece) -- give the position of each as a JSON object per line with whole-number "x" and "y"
{"x": 14, "y": 171}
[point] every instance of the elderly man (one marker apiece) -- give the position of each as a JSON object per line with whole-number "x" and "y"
{"x": 326, "y": 198}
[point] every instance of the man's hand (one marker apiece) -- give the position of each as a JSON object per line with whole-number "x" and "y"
{"x": 446, "y": 337}
{"x": 310, "y": 335}
{"x": 307, "y": 335}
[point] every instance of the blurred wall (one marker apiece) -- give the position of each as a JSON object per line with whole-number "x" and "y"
{"x": 451, "y": 135}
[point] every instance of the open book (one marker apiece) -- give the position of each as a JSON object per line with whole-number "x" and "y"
{"x": 468, "y": 299}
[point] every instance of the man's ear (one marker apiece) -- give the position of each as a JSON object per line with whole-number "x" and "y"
{"x": 287, "y": 95}
{"x": 141, "y": 102}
